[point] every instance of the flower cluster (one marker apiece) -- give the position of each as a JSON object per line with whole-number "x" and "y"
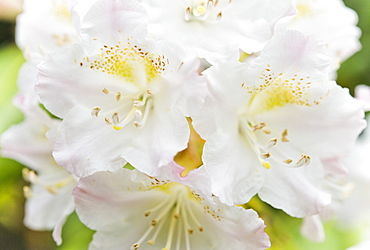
{"x": 155, "y": 120}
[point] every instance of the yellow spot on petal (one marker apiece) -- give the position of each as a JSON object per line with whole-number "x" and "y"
{"x": 129, "y": 62}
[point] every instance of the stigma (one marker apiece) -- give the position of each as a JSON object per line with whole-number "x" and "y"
{"x": 209, "y": 10}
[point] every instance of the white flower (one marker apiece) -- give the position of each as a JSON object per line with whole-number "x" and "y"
{"x": 216, "y": 30}
{"x": 119, "y": 95}
{"x": 49, "y": 200}
{"x": 43, "y": 27}
{"x": 130, "y": 210}
{"x": 331, "y": 21}
{"x": 267, "y": 126}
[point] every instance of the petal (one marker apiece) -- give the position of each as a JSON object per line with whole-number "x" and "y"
{"x": 114, "y": 20}
{"x": 116, "y": 203}
{"x": 336, "y": 122}
{"x": 233, "y": 169}
{"x": 291, "y": 190}
{"x": 44, "y": 209}
{"x": 93, "y": 148}
{"x": 312, "y": 228}
{"x": 165, "y": 134}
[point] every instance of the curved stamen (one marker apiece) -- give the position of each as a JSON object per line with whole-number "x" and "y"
{"x": 262, "y": 151}
{"x": 148, "y": 107}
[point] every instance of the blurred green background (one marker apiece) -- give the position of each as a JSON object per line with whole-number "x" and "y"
{"x": 283, "y": 230}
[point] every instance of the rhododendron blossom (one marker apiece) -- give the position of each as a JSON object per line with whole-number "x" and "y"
{"x": 266, "y": 121}
{"x": 128, "y": 93}
{"x": 131, "y": 210}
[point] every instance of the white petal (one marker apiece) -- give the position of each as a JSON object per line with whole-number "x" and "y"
{"x": 94, "y": 148}
{"x": 292, "y": 190}
{"x": 312, "y": 228}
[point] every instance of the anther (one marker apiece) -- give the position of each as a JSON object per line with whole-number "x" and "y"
{"x": 265, "y": 155}
{"x": 288, "y": 161}
{"x": 149, "y": 92}
{"x": 118, "y": 96}
{"x": 219, "y": 16}
{"x": 153, "y": 223}
{"x": 147, "y": 213}
{"x": 108, "y": 121}
{"x": 51, "y": 189}
{"x": 151, "y": 242}
{"x": 187, "y": 14}
{"x": 135, "y": 246}
{"x": 27, "y": 192}
{"x": 200, "y": 229}
{"x": 95, "y": 111}
{"x": 271, "y": 143}
{"x": 105, "y": 91}
{"x": 304, "y": 160}
{"x": 284, "y": 135}
{"x": 30, "y": 175}
{"x": 190, "y": 231}
{"x": 115, "y": 118}
{"x": 138, "y": 104}
{"x": 258, "y": 126}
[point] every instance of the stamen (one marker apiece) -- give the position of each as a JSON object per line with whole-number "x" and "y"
{"x": 187, "y": 14}
{"x": 304, "y": 160}
{"x": 26, "y": 174}
{"x": 284, "y": 135}
{"x": 118, "y": 96}
{"x": 171, "y": 231}
{"x": 271, "y": 143}
{"x": 157, "y": 231}
{"x": 188, "y": 209}
{"x": 265, "y": 155}
{"x": 128, "y": 118}
{"x": 115, "y": 118}
{"x": 108, "y": 121}
{"x": 95, "y": 111}
{"x": 51, "y": 189}
{"x": 179, "y": 231}
{"x": 30, "y": 175}
{"x": 288, "y": 161}
{"x": 138, "y": 117}
{"x": 151, "y": 242}
{"x": 135, "y": 246}
{"x": 148, "y": 107}
{"x": 258, "y": 126}
{"x": 27, "y": 192}
{"x": 219, "y": 16}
